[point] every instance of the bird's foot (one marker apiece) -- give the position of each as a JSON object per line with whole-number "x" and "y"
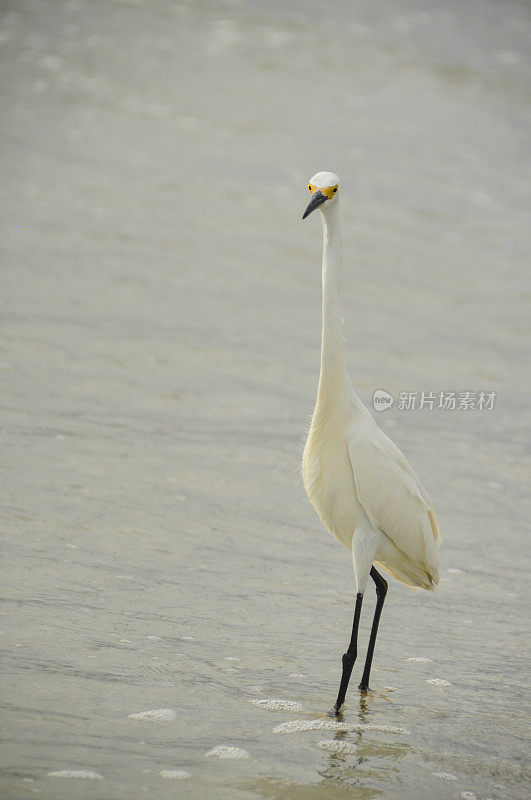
{"x": 335, "y": 712}
{"x": 364, "y": 688}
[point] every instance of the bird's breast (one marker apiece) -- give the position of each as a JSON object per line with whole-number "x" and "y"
{"x": 329, "y": 483}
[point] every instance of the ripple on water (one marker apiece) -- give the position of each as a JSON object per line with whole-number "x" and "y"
{"x": 226, "y": 751}
{"x": 336, "y": 746}
{"x": 156, "y": 715}
{"x": 87, "y": 774}
{"x": 420, "y": 660}
{"x": 298, "y": 725}
{"x": 277, "y": 704}
{"x": 174, "y": 774}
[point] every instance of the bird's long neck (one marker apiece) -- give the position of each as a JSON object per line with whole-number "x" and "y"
{"x": 333, "y": 368}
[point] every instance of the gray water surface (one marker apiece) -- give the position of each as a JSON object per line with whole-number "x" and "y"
{"x": 159, "y": 360}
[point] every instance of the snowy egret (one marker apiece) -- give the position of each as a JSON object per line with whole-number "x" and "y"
{"x": 359, "y": 482}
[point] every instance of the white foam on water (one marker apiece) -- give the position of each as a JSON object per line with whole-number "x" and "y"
{"x": 226, "y": 751}
{"x": 446, "y": 776}
{"x": 232, "y": 658}
{"x": 174, "y": 774}
{"x": 438, "y": 682}
{"x": 156, "y": 715}
{"x": 421, "y": 660}
{"x": 297, "y": 675}
{"x": 188, "y": 638}
{"x": 126, "y": 641}
{"x": 337, "y": 746}
{"x": 297, "y": 725}
{"x": 468, "y": 796}
{"x": 86, "y": 774}
{"x": 277, "y": 704}
{"x": 154, "y": 637}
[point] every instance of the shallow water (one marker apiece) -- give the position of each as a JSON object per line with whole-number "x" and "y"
{"x": 173, "y": 614}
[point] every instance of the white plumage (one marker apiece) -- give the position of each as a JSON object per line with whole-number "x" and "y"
{"x": 360, "y": 483}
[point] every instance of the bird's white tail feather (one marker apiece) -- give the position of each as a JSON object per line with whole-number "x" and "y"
{"x": 413, "y": 578}
{"x": 413, "y": 574}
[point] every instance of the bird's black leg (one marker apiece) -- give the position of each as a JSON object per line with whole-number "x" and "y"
{"x": 349, "y": 657}
{"x": 381, "y": 591}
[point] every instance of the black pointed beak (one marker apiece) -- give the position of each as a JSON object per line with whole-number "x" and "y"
{"x": 316, "y": 201}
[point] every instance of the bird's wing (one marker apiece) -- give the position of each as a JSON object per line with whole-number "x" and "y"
{"x": 393, "y": 497}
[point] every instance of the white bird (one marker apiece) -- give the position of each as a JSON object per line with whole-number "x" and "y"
{"x": 359, "y": 482}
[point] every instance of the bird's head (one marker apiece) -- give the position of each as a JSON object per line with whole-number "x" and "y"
{"x": 324, "y": 187}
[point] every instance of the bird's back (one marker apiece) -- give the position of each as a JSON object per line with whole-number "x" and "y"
{"x": 396, "y": 503}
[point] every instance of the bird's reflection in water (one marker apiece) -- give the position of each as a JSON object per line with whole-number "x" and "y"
{"x": 341, "y": 767}
{"x": 369, "y": 762}
{"x": 357, "y": 764}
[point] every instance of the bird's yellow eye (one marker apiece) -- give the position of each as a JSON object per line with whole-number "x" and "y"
{"x": 335, "y": 189}
{"x": 309, "y": 188}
